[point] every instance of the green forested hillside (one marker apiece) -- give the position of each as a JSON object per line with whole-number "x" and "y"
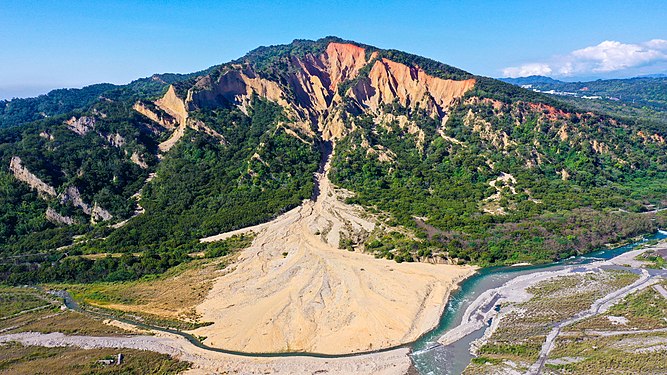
{"x": 204, "y": 188}
{"x": 489, "y": 174}
{"x": 634, "y": 99}
{"x": 20, "y": 111}
{"x": 642, "y": 91}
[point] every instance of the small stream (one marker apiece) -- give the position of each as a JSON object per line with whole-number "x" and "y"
{"x": 429, "y": 357}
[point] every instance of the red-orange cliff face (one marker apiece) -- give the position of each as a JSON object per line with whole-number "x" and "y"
{"x": 344, "y": 61}
{"x": 309, "y": 90}
{"x": 411, "y": 86}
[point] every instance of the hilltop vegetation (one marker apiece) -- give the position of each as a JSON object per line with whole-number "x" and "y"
{"x": 19, "y": 111}
{"x": 640, "y": 91}
{"x": 640, "y": 99}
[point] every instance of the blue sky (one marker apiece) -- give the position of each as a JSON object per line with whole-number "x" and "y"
{"x": 51, "y": 44}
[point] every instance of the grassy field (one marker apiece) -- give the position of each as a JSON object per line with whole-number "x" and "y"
{"x": 72, "y": 323}
{"x": 16, "y": 300}
{"x": 27, "y": 309}
{"x": 646, "y": 309}
{"x": 524, "y": 326}
{"x": 625, "y": 354}
{"x": 170, "y": 298}
{"x": 19, "y": 359}
{"x": 652, "y": 259}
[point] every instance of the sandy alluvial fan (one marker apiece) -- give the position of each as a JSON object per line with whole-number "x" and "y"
{"x": 366, "y": 182}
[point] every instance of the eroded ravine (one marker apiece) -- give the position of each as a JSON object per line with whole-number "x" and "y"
{"x": 293, "y": 289}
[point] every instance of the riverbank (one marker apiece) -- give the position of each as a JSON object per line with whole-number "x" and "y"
{"x": 487, "y": 313}
{"x": 396, "y": 361}
{"x": 392, "y": 362}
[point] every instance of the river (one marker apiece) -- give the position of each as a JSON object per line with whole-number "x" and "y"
{"x": 431, "y": 358}
{"x": 427, "y": 355}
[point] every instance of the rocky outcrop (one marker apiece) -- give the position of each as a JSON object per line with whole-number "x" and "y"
{"x": 599, "y": 147}
{"x": 58, "y": 219}
{"x": 173, "y": 105}
{"x": 23, "y": 174}
{"x": 46, "y": 135}
{"x": 309, "y": 90}
{"x": 72, "y": 195}
{"x": 235, "y": 86}
{"x": 202, "y": 127}
{"x": 163, "y": 119}
{"x": 114, "y": 139}
{"x": 173, "y": 139}
{"x": 171, "y": 113}
{"x": 387, "y": 119}
{"x": 81, "y": 125}
{"x": 100, "y": 214}
{"x": 344, "y": 62}
{"x": 498, "y": 138}
{"x": 138, "y": 160}
{"x": 657, "y": 138}
{"x": 411, "y": 86}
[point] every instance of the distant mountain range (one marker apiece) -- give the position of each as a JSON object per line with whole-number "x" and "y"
{"x": 648, "y": 91}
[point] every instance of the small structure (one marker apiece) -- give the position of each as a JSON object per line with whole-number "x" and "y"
{"x": 108, "y": 362}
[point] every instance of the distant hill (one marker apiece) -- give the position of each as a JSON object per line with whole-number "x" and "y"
{"x": 23, "y": 110}
{"x": 532, "y": 80}
{"x": 19, "y": 111}
{"x": 640, "y": 98}
{"x": 639, "y": 91}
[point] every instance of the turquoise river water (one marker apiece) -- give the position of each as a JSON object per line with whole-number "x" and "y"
{"x": 431, "y": 358}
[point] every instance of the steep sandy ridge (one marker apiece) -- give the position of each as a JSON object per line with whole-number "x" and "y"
{"x": 23, "y": 174}
{"x": 71, "y": 194}
{"x": 311, "y": 97}
{"x": 309, "y": 93}
{"x": 294, "y": 290}
{"x": 411, "y": 86}
{"x": 172, "y": 114}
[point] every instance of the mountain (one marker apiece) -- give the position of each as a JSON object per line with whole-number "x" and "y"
{"x": 532, "y": 80}
{"x": 640, "y": 91}
{"x": 657, "y": 75}
{"x": 640, "y": 98}
{"x": 20, "y": 111}
{"x": 453, "y": 167}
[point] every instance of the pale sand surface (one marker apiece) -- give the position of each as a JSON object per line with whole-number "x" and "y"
{"x": 392, "y": 362}
{"x": 628, "y": 258}
{"x": 318, "y": 298}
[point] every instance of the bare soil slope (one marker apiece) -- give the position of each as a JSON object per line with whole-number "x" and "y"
{"x": 293, "y": 289}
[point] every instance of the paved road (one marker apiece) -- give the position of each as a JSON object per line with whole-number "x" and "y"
{"x": 660, "y": 289}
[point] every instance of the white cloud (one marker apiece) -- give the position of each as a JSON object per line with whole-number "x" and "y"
{"x": 533, "y": 69}
{"x": 608, "y": 56}
{"x": 660, "y": 44}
